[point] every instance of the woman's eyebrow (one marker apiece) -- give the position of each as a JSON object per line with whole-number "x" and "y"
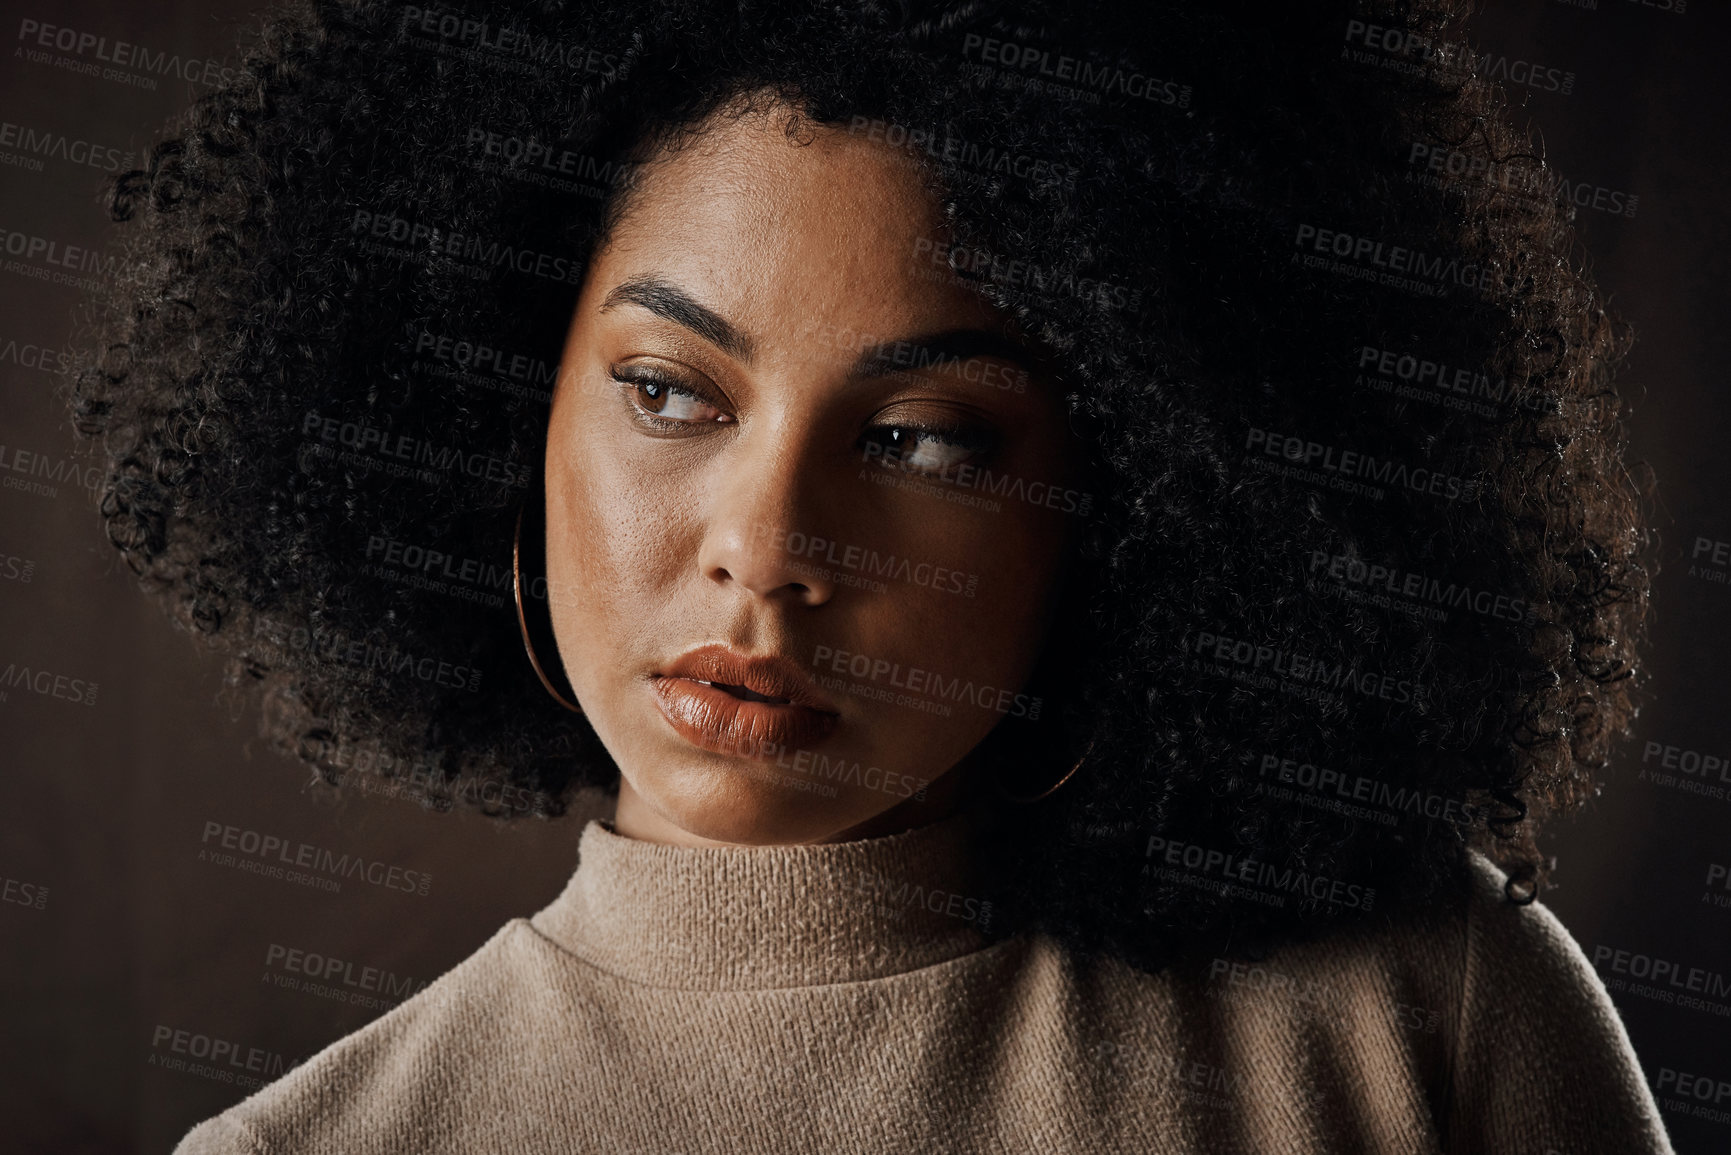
{"x": 665, "y": 299}
{"x": 936, "y": 350}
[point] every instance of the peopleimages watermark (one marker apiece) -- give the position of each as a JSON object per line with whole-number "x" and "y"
{"x": 894, "y": 894}
{"x": 1271, "y": 667}
{"x": 971, "y": 156}
{"x": 1441, "y": 167}
{"x": 1199, "y": 1085}
{"x": 46, "y": 683}
{"x": 92, "y": 54}
{"x": 1710, "y": 560}
{"x": 1254, "y": 983}
{"x": 1234, "y": 980}
{"x": 1351, "y": 470}
{"x": 42, "y": 474}
{"x": 1669, "y": 7}
{"x": 221, "y": 1060}
{"x": 20, "y": 893}
{"x": 41, "y": 357}
{"x": 1718, "y": 878}
{"x": 763, "y": 773}
{"x": 903, "y": 359}
{"x": 404, "y": 238}
{"x": 920, "y": 689}
{"x": 307, "y": 649}
{"x": 1674, "y": 7}
{"x": 1356, "y": 795}
{"x": 1061, "y": 74}
{"x": 863, "y": 567}
{"x": 1693, "y": 1093}
{"x": 307, "y": 864}
{"x": 55, "y": 262}
{"x": 329, "y": 977}
{"x": 512, "y": 373}
{"x": 1417, "y": 594}
{"x": 1232, "y": 874}
{"x": 1384, "y": 263}
{"x": 435, "y": 571}
{"x": 1663, "y": 980}
{"x": 1435, "y": 381}
{"x": 565, "y": 169}
{"x": 1413, "y": 52}
{"x": 1019, "y": 276}
{"x": 373, "y": 771}
{"x": 412, "y": 456}
{"x": 968, "y": 476}
{"x": 821, "y": 773}
{"x": 461, "y": 33}
{"x": 1686, "y": 770}
{"x": 34, "y": 144}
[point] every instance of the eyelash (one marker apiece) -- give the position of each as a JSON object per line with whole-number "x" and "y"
{"x": 981, "y": 441}
{"x": 636, "y": 379}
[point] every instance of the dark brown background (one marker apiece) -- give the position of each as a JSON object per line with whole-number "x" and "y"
{"x": 104, "y": 805}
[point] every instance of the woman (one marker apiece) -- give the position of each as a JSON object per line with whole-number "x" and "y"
{"x": 1065, "y": 553}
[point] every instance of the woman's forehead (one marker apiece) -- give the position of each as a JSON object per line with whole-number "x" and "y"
{"x": 780, "y": 233}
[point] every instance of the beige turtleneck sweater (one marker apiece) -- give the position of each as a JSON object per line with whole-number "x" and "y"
{"x": 840, "y": 998}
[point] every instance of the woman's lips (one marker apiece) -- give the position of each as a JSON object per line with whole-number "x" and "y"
{"x": 711, "y": 717}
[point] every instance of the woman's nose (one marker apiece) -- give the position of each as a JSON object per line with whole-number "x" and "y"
{"x": 762, "y": 530}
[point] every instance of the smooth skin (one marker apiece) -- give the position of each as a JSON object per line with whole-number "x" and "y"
{"x": 694, "y": 455}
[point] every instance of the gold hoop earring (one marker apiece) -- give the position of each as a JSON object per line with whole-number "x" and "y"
{"x": 1027, "y": 800}
{"x": 567, "y": 698}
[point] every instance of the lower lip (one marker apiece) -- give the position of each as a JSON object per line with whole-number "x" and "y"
{"x": 712, "y": 719}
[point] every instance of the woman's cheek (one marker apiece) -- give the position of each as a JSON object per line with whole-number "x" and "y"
{"x": 618, "y": 508}
{"x": 1009, "y": 559}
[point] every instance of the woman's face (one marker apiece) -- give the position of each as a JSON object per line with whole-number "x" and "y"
{"x": 804, "y": 499}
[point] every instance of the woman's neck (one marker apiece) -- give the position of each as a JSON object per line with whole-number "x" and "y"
{"x": 636, "y": 816}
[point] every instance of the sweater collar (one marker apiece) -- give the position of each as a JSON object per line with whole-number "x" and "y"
{"x": 772, "y": 916}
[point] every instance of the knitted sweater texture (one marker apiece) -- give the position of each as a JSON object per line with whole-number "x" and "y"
{"x": 842, "y": 998}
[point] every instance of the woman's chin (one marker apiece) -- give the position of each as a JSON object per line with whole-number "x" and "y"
{"x": 744, "y": 804}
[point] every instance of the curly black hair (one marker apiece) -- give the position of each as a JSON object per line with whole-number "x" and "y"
{"x": 1364, "y": 574}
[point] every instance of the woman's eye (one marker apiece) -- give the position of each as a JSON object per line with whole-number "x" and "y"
{"x": 929, "y": 450}
{"x": 662, "y": 399}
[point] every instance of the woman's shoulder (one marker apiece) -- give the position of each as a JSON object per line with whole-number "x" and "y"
{"x": 1475, "y": 1018}
{"x": 1541, "y": 1046}
{"x": 1462, "y": 968}
{"x": 384, "y": 1079}
{"x": 1418, "y": 950}
{"x": 1469, "y": 949}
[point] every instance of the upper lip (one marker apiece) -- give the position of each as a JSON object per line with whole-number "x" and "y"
{"x": 771, "y": 675}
